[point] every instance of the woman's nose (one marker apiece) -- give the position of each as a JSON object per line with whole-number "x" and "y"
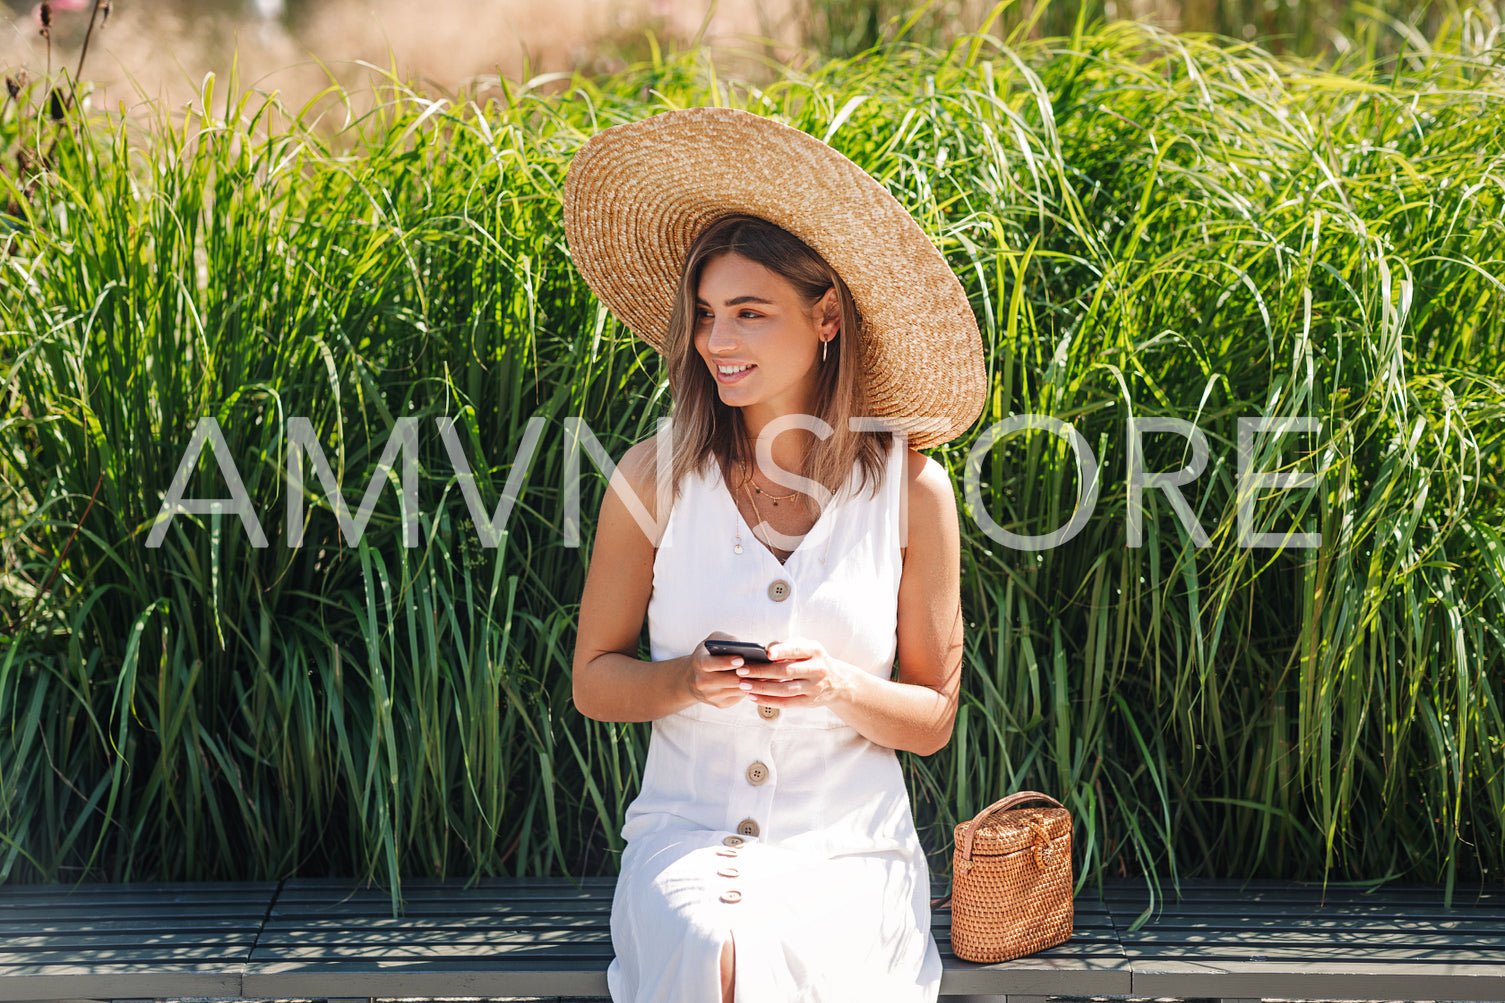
{"x": 723, "y": 335}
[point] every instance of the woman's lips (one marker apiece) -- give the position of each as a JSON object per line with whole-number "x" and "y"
{"x": 726, "y": 379}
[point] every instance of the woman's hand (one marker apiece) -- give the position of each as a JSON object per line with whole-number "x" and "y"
{"x": 801, "y": 674}
{"x": 712, "y": 678}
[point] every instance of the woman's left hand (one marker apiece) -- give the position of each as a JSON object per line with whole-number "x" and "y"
{"x": 801, "y": 673}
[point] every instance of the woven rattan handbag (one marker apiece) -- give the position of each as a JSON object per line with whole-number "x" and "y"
{"x": 1011, "y": 881}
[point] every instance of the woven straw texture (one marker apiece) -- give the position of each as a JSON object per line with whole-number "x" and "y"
{"x": 1011, "y": 886}
{"x": 637, "y": 195}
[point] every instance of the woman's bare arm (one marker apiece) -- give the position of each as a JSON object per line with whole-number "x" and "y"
{"x": 610, "y": 682}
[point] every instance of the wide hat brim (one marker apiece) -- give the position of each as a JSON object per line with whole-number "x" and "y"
{"x": 638, "y": 195}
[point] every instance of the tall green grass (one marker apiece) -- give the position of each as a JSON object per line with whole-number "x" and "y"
{"x": 1148, "y": 225}
{"x": 1335, "y": 34}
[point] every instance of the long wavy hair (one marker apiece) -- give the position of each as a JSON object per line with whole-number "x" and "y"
{"x": 706, "y": 429}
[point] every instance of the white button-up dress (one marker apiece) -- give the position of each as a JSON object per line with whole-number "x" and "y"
{"x": 784, "y": 831}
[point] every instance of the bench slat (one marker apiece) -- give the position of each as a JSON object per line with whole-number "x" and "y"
{"x": 1266, "y": 886}
{"x": 522, "y": 947}
{"x": 502, "y": 888}
{"x": 422, "y": 896}
{"x": 154, "y": 980}
{"x": 1265, "y": 890}
{"x": 1295, "y": 913}
{"x": 13, "y": 899}
{"x": 443, "y": 886}
{"x": 1261, "y": 951}
{"x": 100, "y": 959}
{"x": 193, "y": 889}
{"x": 147, "y": 912}
{"x": 1354, "y": 980}
{"x": 1337, "y": 924}
{"x": 1274, "y": 894}
{"x": 369, "y": 912}
{"x": 436, "y": 930}
{"x": 67, "y": 927}
{"x": 492, "y": 978}
{"x": 456, "y": 922}
{"x": 389, "y": 955}
{"x": 168, "y": 944}
{"x": 1350, "y": 938}
{"x": 1037, "y": 975}
{"x": 1307, "y": 903}
{"x": 382, "y": 940}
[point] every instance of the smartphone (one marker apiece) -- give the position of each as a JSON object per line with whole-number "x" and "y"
{"x": 749, "y": 651}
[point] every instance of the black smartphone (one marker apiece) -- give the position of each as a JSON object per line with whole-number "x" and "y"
{"x": 749, "y": 651}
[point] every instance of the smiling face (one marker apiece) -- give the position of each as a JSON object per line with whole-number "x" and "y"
{"x": 770, "y": 348}
{"x": 759, "y": 338}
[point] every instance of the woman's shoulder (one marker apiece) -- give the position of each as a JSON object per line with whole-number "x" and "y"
{"x": 930, "y": 496}
{"x": 640, "y": 464}
{"x": 639, "y": 470}
{"x": 926, "y": 476}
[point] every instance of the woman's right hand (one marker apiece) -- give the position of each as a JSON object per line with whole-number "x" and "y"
{"x": 712, "y": 678}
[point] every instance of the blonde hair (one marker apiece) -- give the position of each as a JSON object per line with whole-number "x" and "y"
{"x": 705, "y": 428}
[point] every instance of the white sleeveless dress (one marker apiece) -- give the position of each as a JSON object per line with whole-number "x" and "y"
{"x": 786, "y": 831}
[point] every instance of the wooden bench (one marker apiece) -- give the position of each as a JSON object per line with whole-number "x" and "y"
{"x": 128, "y": 941}
{"x": 1276, "y": 941}
{"x": 549, "y": 938}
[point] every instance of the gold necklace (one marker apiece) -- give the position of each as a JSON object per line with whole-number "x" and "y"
{"x": 759, "y": 516}
{"x": 747, "y": 479}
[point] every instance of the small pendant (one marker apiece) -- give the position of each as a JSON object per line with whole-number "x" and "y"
{"x": 737, "y": 549}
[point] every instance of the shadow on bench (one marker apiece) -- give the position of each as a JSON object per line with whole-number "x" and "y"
{"x": 549, "y": 938}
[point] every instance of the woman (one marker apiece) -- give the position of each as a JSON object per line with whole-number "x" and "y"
{"x": 804, "y": 317}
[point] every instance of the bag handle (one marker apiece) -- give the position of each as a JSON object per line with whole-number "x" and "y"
{"x": 1003, "y": 804}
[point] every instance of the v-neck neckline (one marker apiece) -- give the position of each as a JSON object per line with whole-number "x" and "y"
{"x": 837, "y": 499}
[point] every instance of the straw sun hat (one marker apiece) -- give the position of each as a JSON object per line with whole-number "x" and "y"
{"x": 637, "y": 196}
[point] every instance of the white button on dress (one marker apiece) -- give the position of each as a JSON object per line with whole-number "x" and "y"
{"x": 832, "y": 893}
